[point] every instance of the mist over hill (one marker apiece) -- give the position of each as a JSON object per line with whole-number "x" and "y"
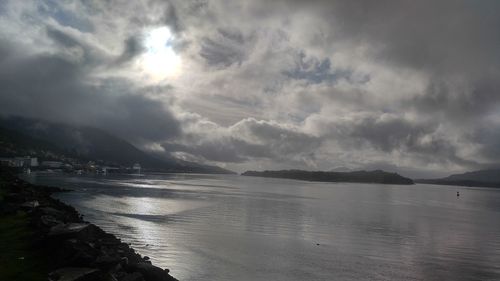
{"x": 28, "y": 136}
{"x": 481, "y": 178}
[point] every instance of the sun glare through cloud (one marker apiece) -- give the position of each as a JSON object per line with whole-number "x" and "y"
{"x": 160, "y": 60}
{"x": 225, "y": 140}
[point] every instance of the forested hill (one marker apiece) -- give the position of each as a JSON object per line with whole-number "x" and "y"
{"x": 377, "y": 176}
{"x": 23, "y": 136}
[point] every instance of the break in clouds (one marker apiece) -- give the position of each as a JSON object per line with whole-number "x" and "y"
{"x": 406, "y": 86}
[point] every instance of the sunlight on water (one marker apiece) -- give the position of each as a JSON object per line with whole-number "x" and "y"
{"x": 205, "y": 227}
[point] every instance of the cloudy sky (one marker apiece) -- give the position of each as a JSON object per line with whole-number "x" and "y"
{"x": 407, "y": 86}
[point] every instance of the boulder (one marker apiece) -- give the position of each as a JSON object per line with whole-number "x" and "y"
{"x": 14, "y": 197}
{"x": 74, "y": 252}
{"x": 49, "y": 221}
{"x": 136, "y": 276}
{"x": 75, "y": 274}
{"x": 7, "y": 208}
{"x": 82, "y": 231}
{"x": 108, "y": 261}
{"x": 49, "y": 211}
{"x": 30, "y": 204}
{"x": 150, "y": 272}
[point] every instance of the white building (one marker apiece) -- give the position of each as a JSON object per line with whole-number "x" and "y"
{"x": 137, "y": 168}
{"x": 20, "y": 162}
{"x": 52, "y": 164}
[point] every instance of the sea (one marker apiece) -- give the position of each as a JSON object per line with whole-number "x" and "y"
{"x": 230, "y": 227}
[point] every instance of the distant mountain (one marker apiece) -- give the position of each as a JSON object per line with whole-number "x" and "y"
{"x": 482, "y": 178}
{"x": 357, "y": 176}
{"x": 90, "y": 144}
{"x": 13, "y": 144}
{"x": 340, "y": 169}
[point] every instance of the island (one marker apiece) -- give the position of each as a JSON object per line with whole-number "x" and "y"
{"x": 376, "y": 176}
{"x": 481, "y": 178}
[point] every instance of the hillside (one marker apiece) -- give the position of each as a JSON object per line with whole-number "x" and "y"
{"x": 24, "y": 135}
{"x": 481, "y": 178}
{"x": 13, "y": 144}
{"x": 357, "y": 176}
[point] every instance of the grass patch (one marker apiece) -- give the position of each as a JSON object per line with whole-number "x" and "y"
{"x": 19, "y": 259}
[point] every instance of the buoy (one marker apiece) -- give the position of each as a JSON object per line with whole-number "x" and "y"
{"x": 458, "y": 193}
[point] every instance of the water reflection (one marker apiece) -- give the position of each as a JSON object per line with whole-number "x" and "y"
{"x": 239, "y": 228}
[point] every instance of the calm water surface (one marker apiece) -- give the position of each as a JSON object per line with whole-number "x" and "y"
{"x": 219, "y": 227}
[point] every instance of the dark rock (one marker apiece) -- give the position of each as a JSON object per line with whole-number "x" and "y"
{"x": 65, "y": 229}
{"x": 110, "y": 240}
{"x": 49, "y": 211}
{"x": 136, "y": 276}
{"x": 82, "y": 231}
{"x": 74, "y": 252}
{"x": 150, "y": 272}
{"x": 107, "y": 261}
{"x": 49, "y": 221}
{"x": 80, "y": 250}
{"x": 7, "y": 208}
{"x": 30, "y": 205}
{"x": 14, "y": 198}
{"x": 75, "y": 274}
{"x": 124, "y": 261}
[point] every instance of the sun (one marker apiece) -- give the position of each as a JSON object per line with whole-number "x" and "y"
{"x": 160, "y": 60}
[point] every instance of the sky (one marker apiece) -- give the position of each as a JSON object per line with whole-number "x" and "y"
{"x": 405, "y": 86}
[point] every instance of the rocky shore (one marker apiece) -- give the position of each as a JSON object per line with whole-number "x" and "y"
{"x": 75, "y": 249}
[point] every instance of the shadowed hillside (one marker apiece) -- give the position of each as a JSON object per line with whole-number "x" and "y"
{"x": 357, "y": 176}
{"x": 482, "y": 178}
{"x": 22, "y": 136}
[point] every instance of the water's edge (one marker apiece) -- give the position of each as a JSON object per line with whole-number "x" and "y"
{"x": 76, "y": 247}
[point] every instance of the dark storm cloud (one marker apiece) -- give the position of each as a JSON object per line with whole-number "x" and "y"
{"x": 387, "y": 135}
{"x": 326, "y": 83}
{"x": 463, "y": 102}
{"x": 51, "y": 8}
{"x": 454, "y": 42}
{"x": 133, "y": 47}
{"x": 488, "y": 137}
{"x": 226, "y": 48}
{"x": 251, "y": 139}
{"x": 76, "y": 48}
{"x": 55, "y": 88}
{"x": 171, "y": 18}
{"x": 220, "y": 151}
{"x": 316, "y": 71}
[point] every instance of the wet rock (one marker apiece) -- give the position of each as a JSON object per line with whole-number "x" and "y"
{"x": 75, "y": 274}
{"x": 136, "y": 276}
{"x": 80, "y": 250}
{"x": 151, "y": 272}
{"x": 74, "y": 252}
{"x": 69, "y": 228}
{"x": 49, "y": 221}
{"x": 82, "y": 231}
{"x": 110, "y": 241}
{"x": 7, "y": 208}
{"x": 107, "y": 261}
{"x": 49, "y": 211}
{"x": 30, "y": 204}
{"x": 14, "y": 198}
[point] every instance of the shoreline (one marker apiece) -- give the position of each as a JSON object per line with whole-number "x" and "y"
{"x": 74, "y": 249}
